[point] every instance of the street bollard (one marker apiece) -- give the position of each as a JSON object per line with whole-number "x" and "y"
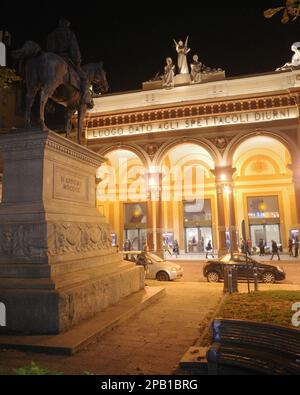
{"x": 230, "y": 279}
{"x": 255, "y": 279}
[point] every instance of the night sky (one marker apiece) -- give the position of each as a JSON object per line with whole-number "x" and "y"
{"x": 134, "y": 38}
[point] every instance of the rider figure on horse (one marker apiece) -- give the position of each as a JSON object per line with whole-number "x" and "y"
{"x": 63, "y": 42}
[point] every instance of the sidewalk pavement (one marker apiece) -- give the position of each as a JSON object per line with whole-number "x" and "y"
{"x": 152, "y": 342}
{"x": 202, "y": 257}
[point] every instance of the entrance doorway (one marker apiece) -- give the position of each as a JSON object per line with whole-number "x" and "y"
{"x": 137, "y": 238}
{"x": 265, "y": 232}
{"x": 196, "y": 239}
{"x": 135, "y": 226}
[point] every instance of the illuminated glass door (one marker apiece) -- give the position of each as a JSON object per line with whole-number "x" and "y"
{"x": 265, "y": 232}
{"x": 136, "y": 238}
{"x": 196, "y": 239}
{"x": 135, "y": 226}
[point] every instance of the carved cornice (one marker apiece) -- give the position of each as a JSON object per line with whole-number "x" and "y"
{"x": 89, "y": 157}
{"x": 35, "y": 140}
{"x": 193, "y": 110}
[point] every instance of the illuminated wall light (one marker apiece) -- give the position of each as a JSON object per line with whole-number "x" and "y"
{"x": 227, "y": 190}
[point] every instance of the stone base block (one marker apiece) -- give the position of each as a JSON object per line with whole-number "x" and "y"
{"x": 213, "y": 76}
{"x": 182, "y": 79}
{"x": 87, "y": 332}
{"x": 149, "y": 85}
{"x": 51, "y": 311}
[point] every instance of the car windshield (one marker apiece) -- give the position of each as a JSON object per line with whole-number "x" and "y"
{"x": 225, "y": 258}
{"x": 154, "y": 257}
{"x": 236, "y": 258}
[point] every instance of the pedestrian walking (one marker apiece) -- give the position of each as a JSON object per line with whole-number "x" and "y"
{"x": 297, "y": 244}
{"x": 167, "y": 249}
{"x": 209, "y": 250}
{"x": 261, "y": 246}
{"x": 145, "y": 246}
{"x": 176, "y": 248}
{"x": 291, "y": 245}
{"x": 275, "y": 250}
{"x": 242, "y": 246}
{"x": 249, "y": 246}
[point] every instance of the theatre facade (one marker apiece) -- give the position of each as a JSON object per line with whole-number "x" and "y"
{"x": 193, "y": 162}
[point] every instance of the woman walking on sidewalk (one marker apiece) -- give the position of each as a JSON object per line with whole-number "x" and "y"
{"x": 176, "y": 248}
{"x": 209, "y": 250}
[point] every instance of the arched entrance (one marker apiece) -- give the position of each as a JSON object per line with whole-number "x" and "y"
{"x": 264, "y": 193}
{"x": 188, "y": 198}
{"x": 121, "y": 197}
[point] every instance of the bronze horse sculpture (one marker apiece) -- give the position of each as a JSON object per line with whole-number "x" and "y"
{"x": 55, "y": 78}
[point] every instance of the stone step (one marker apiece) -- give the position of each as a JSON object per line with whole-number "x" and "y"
{"x": 66, "y": 280}
{"x": 27, "y": 284}
{"x": 26, "y": 271}
{"x": 80, "y": 336}
{"x": 84, "y": 276}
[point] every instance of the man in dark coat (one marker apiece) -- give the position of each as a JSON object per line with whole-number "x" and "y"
{"x": 261, "y": 247}
{"x": 275, "y": 250}
{"x": 291, "y": 245}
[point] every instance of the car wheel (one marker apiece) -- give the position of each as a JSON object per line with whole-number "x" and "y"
{"x": 268, "y": 278}
{"x": 213, "y": 277}
{"x": 162, "y": 276}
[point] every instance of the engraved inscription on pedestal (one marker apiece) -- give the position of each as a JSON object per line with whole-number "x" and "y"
{"x": 70, "y": 186}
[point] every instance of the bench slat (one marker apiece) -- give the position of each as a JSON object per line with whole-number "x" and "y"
{"x": 263, "y": 348}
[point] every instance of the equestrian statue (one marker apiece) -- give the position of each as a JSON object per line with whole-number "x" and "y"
{"x": 57, "y": 74}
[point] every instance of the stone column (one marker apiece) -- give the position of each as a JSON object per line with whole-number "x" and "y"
{"x": 154, "y": 233}
{"x": 296, "y": 178}
{"x": 232, "y": 219}
{"x": 222, "y": 247}
{"x": 224, "y": 181}
{"x": 159, "y": 222}
{"x": 150, "y": 225}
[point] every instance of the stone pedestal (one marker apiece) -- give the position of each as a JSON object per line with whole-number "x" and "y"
{"x": 213, "y": 76}
{"x": 182, "y": 79}
{"x": 57, "y": 266}
{"x": 150, "y": 85}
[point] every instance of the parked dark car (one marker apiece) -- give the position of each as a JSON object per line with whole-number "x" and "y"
{"x": 214, "y": 269}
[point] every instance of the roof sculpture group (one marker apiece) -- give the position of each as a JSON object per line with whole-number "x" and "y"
{"x": 196, "y": 74}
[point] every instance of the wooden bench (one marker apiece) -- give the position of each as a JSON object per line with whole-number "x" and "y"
{"x": 255, "y": 347}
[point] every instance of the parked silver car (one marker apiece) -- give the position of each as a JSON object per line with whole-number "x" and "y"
{"x": 155, "y": 267}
